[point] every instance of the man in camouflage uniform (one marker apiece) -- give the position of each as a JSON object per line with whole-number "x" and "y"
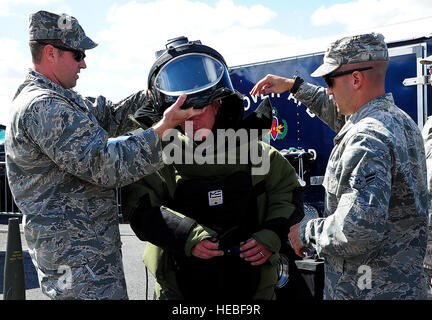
{"x": 374, "y": 231}
{"x": 63, "y": 170}
{"x": 427, "y": 136}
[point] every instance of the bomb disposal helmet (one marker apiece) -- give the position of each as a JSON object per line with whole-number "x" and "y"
{"x": 188, "y": 67}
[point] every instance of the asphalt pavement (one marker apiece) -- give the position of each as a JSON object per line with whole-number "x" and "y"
{"x": 132, "y": 250}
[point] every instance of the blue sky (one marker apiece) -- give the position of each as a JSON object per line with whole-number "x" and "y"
{"x": 244, "y": 31}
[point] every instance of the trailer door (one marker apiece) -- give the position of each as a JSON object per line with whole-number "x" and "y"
{"x": 406, "y": 80}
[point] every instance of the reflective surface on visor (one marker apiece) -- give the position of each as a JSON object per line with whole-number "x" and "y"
{"x": 189, "y": 74}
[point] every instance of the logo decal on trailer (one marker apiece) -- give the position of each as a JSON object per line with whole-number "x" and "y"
{"x": 278, "y": 131}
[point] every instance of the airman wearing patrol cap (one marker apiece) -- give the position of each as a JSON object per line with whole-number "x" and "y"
{"x": 350, "y": 50}
{"x": 354, "y": 55}
{"x": 45, "y": 25}
{"x": 374, "y": 230}
{"x": 63, "y": 170}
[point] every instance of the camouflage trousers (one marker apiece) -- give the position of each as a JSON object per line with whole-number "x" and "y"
{"x": 97, "y": 280}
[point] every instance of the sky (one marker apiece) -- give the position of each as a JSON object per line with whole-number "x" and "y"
{"x": 243, "y": 31}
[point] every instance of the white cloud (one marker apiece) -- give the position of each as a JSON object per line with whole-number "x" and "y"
{"x": 7, "y": 6}
{"x": 396, "y": 19}
{"x": 12, "y": 72}
{"x": 243, "y": 34}
{"x": 135, "y": 31}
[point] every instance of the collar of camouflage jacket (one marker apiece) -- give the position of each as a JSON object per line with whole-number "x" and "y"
{"x": 41, "y": 80}
{"x": 381, "y": 103}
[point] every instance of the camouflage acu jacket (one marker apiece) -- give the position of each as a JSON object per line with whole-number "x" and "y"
{"x": 63, "y": 171}
{"x": 373, "y": 237}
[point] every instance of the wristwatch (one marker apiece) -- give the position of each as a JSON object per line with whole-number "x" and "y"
{"x": 297, "y": 82}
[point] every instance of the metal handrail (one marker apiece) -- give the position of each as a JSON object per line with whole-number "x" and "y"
{"x": 9, "y": 202}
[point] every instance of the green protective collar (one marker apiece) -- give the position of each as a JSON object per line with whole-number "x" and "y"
{"x": 141, "y": 125}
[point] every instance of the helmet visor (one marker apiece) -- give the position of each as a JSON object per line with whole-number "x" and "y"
{"x": 190, "y": 73}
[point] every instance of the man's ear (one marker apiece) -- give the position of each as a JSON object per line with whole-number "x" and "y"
{"x": 357, "y": 79}
{"x": 48, "y": 52}
{"x": 216, "y": 105}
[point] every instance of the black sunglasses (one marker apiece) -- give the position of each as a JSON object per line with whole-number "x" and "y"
{"x": 77, "y": 54}
{"x": 329, "y": 78}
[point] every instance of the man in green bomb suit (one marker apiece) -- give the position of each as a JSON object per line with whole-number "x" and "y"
{"x": 215, "y": 217}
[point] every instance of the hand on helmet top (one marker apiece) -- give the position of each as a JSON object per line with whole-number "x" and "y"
{"x": 174, "y": 115}
{"x": 272, "y": 84}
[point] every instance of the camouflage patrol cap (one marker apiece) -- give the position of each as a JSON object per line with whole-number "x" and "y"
{"x": 45, "y": 25}
{"x": 427, "y": 60}
{"x": 353, "y": 49}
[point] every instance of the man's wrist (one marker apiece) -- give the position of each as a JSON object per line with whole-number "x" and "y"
{"x": 289, "y": 83}
{"x": 297, "y": 81}
{"x": 160, "y": 127}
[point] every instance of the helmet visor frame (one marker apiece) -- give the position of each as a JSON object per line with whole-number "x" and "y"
{"x": 189, "y": 74}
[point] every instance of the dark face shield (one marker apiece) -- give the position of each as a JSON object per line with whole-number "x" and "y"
{"x": 200, "y": 76}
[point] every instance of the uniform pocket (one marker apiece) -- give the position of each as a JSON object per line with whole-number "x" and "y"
{"x": 49, "y": 251}
{"x": 330, "y": 182}
{"x": 57, "y": 250}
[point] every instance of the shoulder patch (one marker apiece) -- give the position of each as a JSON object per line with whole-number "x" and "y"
{"x": 359, "y": 182}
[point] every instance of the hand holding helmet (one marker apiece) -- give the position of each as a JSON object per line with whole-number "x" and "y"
{"x": 175, "y": 115}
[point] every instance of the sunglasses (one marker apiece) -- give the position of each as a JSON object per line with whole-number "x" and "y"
{"x": 329, "y": 78}
{"x": 77, "y": 54}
